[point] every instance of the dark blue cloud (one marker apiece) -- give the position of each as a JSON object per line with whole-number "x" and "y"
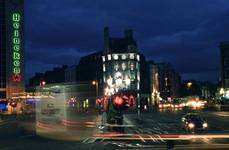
{"x": 185, "y": 33}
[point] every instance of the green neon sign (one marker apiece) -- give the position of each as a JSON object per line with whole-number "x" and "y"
{"x": 16, "y": 45}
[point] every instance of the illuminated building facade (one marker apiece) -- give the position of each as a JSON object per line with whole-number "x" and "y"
{"x": 164, "y": 81}
{"x": 121, "y": 63}
{"x": 11, "y": 48}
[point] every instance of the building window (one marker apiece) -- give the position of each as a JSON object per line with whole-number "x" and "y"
{"x": 132, "y": 76}
{"x": 132, "y": 66}
{"x": 115, "y": 57}
{"x": 104, "y": 59}
{"x": 138, "y": 86}
{"x": 138, "y": 76}
{"x": 131, "y": 56}
{"x": 123, "y": 66}
{"x": 116, "y": 67}
{"x": 138, "y": 57}
{"x": 123, "y": 57}
{"x": 137, "y": 66}
{"x": 104, "y": 67}
{"x": 109, "y": 57}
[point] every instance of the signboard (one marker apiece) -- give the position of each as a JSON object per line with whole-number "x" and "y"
{"x": 16, "y": 45}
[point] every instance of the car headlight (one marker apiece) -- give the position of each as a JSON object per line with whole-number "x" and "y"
{"x": 205, "y": 125}
{"x": 191, "y": 125}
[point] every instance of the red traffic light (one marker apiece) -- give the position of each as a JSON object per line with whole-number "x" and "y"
{"x": 118, "y": 101}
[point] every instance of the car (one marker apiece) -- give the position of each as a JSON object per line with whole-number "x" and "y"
{"x": 194, "y": 122}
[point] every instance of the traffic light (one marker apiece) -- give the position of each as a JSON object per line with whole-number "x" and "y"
{"x": 118, "y": 102}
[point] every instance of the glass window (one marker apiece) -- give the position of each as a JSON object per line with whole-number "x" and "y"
{"x": 116, "y": 67}
{"x": 138, "y": 57}
{"x": 104, "y": 59}
{"x": 132, "y": 76}
{"x": 137, "y": 66}
{"x": 104, "y": 67}
{"x": 123, "y": 56}
{"x": 123, "y": 66}
{"x": 115, "y": 57}
{"x": 131, "y": 66}
{"x": 109, "y": 57}
{"x": 131, "y": 56}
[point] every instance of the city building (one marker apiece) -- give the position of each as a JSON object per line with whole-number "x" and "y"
{"x": 70, "y": 74}
{"x": 224, "y": 51}
{"x": 191, "y": 88}
{"x": 164, "y": 81}
{"x": 12, "y": 77}
{"x": 121, "y": 63}
{"x": 56, "y": 75}
{"x": 208, "y": 90}
{"x": 89, "y": 69}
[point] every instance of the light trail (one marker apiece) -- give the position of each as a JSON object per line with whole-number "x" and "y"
{"x": 143, "y": 137}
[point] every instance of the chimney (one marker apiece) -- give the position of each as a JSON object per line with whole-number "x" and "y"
{"x": 106, "y": 40}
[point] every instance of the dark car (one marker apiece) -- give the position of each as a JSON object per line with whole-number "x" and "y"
{"x": 194, "y": 122}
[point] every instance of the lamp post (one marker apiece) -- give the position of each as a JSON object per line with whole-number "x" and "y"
{"x": 95, "y": 82}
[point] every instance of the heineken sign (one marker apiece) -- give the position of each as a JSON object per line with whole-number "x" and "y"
{"x": 16, "y": 46}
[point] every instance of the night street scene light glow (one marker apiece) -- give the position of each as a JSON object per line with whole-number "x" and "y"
{"x": 133, "y": 74}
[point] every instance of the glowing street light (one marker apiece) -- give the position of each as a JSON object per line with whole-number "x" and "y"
{"x": 189, "y": 84}
{"x": 94, "y": 82}
{"x": 222, "y": 91}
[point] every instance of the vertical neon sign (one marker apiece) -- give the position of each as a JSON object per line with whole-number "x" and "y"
{"x": 16, "y": 45}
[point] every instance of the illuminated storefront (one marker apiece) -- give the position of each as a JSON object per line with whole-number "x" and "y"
{"x": 121, "y": 63}
{"x": 122, "y": 71}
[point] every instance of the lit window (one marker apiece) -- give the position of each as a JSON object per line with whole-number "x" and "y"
{"x": 132, "y": 66}
{"x": 118, "y": 75}
{"x": 115, "y": 57}
{"x": 138, "y": 57}
{"x": 110, "y": 81}
{"x": 131, "y": 56}
{"x": 138, "y": 76}
{"x": 104, "y": 59}
{"x": 109, "y": 57}
{"x": 123, "y": 66}
{"x": 116, "y": 67}
{"x": 104, "y": 67}
{"x": 132, "y": 76}
{"x": 123, "y": 57}
{"x": 137, "y": 66}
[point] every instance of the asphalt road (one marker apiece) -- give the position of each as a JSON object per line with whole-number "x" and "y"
{"x": 69, "y": 134}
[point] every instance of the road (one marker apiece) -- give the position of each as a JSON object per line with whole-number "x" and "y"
{"x": 142, "y": 133}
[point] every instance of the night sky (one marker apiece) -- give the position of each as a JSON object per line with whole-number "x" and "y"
{"x": 184, "y": 32}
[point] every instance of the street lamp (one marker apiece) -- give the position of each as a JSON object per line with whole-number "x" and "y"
{"x": 95, "y": 82}
{"x": 189, "y": 84}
